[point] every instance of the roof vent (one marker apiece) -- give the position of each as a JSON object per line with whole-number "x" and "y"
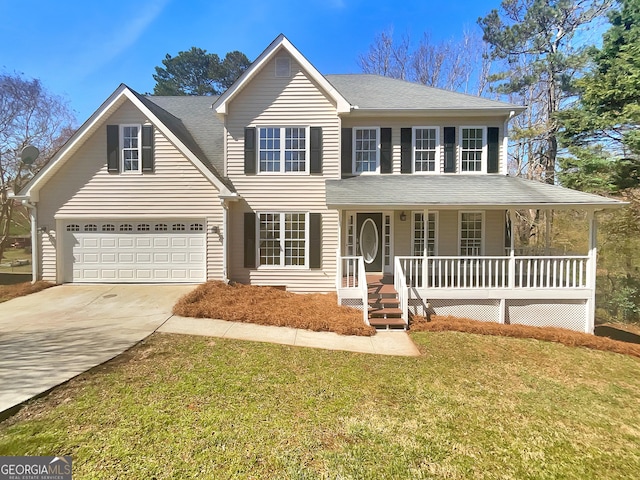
{"x": 283, "y": 67}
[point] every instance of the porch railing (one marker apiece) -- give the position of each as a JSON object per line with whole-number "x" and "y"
{"x": 493, "y": 272}
{"x": 351, "y": 284}
{"x": 401, "y": 268}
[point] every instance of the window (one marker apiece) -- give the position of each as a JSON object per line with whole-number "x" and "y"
{"x": 160, "y": 227}
{"x": 73, "y": 228}
{"x": 126, "y": 227}
{"x": 419, "y": 234}
{"x": 282, "y": 239}
{"x": 90, "y": 227}
{"x": 425, "y": 149}
{"x": 472, "y": 140}
{"x": 365, "y": 149}
{"x": 471, "y": 226}
{"x": 108, "y": 227}
{"x": 178, "y": 227}
{"x": 278, "y": 144}
{"x": 196, "y": 227}
{"x": 143, "y": 227}
{"x": 130, "y": 146}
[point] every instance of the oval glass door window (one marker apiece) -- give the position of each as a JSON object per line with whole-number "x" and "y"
{"x": 369, "y": 240}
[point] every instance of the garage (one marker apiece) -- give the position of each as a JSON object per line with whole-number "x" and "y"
{"x": 144, "y": 251}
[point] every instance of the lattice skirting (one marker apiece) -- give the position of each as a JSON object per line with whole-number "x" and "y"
{"x": 353, "y": 303}
{"x": 485, "y": 310}
{"x": 571, "y": 314}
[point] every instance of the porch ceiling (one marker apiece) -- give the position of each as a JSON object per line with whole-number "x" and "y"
{"x": 454, "y": 191}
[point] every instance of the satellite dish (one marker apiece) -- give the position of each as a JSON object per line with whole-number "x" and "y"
{"x": 29, "y": 154}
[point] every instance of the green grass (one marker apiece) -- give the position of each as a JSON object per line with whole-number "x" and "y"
{"x": 470, "y": 407}
{"x": 11, "y": 254}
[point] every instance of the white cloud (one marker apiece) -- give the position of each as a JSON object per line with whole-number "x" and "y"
{"x": 102, "y": 49}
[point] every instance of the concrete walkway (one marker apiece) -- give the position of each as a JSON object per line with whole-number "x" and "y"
{"x": 383, "y": 343}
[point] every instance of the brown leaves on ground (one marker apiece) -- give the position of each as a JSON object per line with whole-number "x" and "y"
{"x": 7, "y": 292}
{"x": 272, "y": 306}
{"x": 559, "y": 335}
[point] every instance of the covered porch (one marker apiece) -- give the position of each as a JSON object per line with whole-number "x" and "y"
{"x": 447, "y": 245}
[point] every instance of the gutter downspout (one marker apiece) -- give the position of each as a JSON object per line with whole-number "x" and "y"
{"x": 33, "y": 216}
{"x": 225, "y": 235}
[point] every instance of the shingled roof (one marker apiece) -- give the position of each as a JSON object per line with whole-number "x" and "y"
{"x": 192, "y": 120}
{"x": 375, "y": 92}
{"x": 497, "y": 191}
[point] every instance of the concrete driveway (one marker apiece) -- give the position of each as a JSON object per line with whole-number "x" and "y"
{"x": 51, "y": 336}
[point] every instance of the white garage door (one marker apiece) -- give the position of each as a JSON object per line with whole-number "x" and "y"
{"x": 135, "y": 251}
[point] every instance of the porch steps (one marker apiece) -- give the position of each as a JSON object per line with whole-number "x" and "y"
{"x": 383, "y": 304}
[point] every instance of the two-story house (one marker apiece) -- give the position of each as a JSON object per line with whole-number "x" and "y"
{"x": 393, "y": 194}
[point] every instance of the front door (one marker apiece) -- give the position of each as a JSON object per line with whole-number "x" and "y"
{"x": 369, "y": 240}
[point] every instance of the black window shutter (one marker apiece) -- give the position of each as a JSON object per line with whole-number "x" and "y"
{"x": 386, "y": 161}
{"x": 315, "y": 240}
{"x": 450, "y": 149}
{"x": 315, "y": 149}
{"x": 249, "y": 240}
{"x": 250, "y": 150}
{"x": 113, "y": 147}
{"x": 405, "y": 150}
{"x": 147, "y": 148}
{"x": 346, "y": 156}
{"x": 493, "y": 150}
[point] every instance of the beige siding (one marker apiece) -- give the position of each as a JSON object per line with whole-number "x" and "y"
{"x": 48, "y": 256}
{"x": 272, "y": 101}
{"x": 448, "y": 233}
{"x": 439, "y": 122}
{"x": 83, "y": 188}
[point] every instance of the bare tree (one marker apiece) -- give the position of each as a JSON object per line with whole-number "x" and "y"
{"x": 462, "y": 65}
{"x": 29, "y": 115}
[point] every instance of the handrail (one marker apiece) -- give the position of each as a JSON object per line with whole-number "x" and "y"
{"x": 400, "y": 285}
{"x": 364, "y": 289}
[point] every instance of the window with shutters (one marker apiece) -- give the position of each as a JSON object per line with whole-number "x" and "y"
{"x": 282, "y": 239}
{"x": 366, "y": 149}
{"x": 282, "y": 150}
{"x": 130, "y": 144}
{"x": 473, "y": 150}
{"x": 426, "y": 153}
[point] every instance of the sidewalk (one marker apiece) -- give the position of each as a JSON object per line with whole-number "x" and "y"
{"x": 383, "y": 343}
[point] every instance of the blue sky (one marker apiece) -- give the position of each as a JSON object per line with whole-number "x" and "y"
{"x": 84, "y": 50}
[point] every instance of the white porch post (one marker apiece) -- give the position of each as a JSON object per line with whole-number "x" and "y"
{"x": 512, "y": 251}
{"x": 591, "y": 272}
{"x": 338, "y": 259}
{"x": 225, "y": 240}
{"x": 425, "y": 250}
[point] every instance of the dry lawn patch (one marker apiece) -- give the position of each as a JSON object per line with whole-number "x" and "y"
{"x": 7, "y": 292}
{"x": 559, "y": 335}
{"x": 271, "y": 306}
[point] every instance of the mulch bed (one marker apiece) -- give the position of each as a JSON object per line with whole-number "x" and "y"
{"x": 7, "y": 292}
{"x": 272, "y": 306}
{"x": 560, "y": 335}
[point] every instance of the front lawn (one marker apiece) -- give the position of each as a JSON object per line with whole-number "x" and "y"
{"x": 471, "y": 406}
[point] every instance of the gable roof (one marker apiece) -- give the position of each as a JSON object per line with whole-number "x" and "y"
{"x": 366, "y": 92}
{"x": 280, "y": 43}
{"x": 167, "y": 123}
{"x": 455, "y": 191}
